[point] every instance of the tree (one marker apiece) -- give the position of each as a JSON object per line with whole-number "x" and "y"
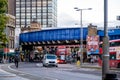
{"x": 3, "y": 21}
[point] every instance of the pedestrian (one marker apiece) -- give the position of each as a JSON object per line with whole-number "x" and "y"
{"x": 92, "y": 60}
{"x": 16, "y": 58}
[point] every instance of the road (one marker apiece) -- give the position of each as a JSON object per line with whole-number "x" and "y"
{"x": 63, "y": 72}
{"x": 35, "y": 71}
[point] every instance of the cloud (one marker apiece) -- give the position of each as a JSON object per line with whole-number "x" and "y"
{"x": 66, "y": 20}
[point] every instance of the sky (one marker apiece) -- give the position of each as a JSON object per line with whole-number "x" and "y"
{"x": 69, "y": 17}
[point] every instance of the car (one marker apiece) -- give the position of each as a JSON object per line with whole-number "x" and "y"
{"x": 50, "y": 60}
{"x": 59, "y": 61}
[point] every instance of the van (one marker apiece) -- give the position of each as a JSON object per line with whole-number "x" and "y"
{"x": 50, "y": 60}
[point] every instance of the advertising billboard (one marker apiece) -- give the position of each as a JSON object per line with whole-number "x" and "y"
{"x": 92, "y": 44}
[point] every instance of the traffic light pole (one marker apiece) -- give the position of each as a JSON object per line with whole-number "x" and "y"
{"x": 105, "y": 63}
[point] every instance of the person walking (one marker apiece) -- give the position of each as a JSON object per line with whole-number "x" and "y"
{"x": 16, "y": 58}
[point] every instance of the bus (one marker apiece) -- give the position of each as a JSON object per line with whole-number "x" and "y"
{"x": 61, "y": 54}
{"x": 114, "y": 52}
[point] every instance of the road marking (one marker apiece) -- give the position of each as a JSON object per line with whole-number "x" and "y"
{"x": 5, "y": 73}
{"x": 30, "y": 74}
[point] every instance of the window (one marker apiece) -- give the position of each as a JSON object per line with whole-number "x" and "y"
{"x": 39, "y": 20}
{"x": 49, "y": 3}
{"x": 28, "y": 3}
{"x": 44, "y": 16}
{"x": 33, "y": 3}
{"x": 17, "y": 8}
{"x": 22, "y": 14}
{"x": 44, "y": 22}
{"x": 44, "y": 26}
{"x": 17, "y": 11}
{"x": 28, "y": 11}
{"x": 17, "y": 0}
{"x": 49, "y": 17}
{"x": 22, "y": 9}
{"x": 112, "y": 44}
{"x": 44, "y": 10}
{"x": 22, "y": 2}
{"x": 49, "y": 10}
{"x": 28, "y": 8}
{"x": 51, "y": 57}
{"x": 112, "y": 56}
{"x": 38, "y": 3}
{"x": 17, "y": 3}
{"x": 17, "y": 16}
{"x": 23, "y": 20}
{"x": 34, "y": 10}
{"x": 44, "y": 3}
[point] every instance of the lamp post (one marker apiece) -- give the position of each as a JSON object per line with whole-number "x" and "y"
{"x": 81, "y": 31}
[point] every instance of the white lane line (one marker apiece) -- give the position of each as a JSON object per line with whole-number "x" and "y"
{"x": 30, "y": 74}
{"x": 5, "y": 73}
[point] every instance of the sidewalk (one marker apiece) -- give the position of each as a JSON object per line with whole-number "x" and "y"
{"x": 84, "y": 65}
{"x": 91, "y": 65}
{"x": 9, "y": 76}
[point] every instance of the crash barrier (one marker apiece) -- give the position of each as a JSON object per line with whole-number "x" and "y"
{"x": 111, "y": 76}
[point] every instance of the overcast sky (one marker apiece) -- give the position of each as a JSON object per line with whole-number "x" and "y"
{"x": 68, "y": 17}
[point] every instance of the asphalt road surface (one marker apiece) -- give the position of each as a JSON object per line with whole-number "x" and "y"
{"x": 35, "y": 71}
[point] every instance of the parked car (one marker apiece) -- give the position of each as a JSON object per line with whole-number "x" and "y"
{"x": 50, "y": 60}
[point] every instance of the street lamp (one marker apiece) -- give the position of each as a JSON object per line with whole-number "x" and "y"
{"x": 81, "y": 30}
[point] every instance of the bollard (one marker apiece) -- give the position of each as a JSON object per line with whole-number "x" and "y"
{"x": 78, "y": 63}
{"x": 111, "y": 76}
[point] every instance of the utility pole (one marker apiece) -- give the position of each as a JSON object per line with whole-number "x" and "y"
{"x": 105, "y": 63}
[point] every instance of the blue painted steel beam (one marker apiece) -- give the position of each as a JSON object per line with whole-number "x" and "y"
{"x": 63, "y": 34}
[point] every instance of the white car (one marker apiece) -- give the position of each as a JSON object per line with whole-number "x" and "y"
{"x": 50, "y": 60}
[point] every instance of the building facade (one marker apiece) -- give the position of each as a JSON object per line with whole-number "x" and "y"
{"x": 11, "y": 7}
{"x": 10, "y": 31}
{"x": 43, "y": 11}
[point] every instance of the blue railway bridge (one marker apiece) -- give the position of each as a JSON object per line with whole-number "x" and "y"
{"x": 61, "y": 36}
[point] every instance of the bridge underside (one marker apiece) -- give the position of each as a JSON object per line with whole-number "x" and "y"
{"x": 30, "y": 45}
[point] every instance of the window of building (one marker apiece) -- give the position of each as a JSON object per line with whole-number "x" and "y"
{"x": 17, "y": 3}
{"x": 23, "y": 9}
{"x": 44, "y": 3}
{"x": 44, "y": 10}
{"x": 39, "y": 3}
{"x": 34, "y": 10}
{"x": 28, "y": 16}
{"x": 39, "y": 20}
{"x": 49, "y": 10}
{"x": 18, "y": 9}
{"x": 17, "y": 0}
{"x": 23, "y": 2}
{"x": 44, "y": 26}
{"x": 50, "y": 4}
{"x": 33, "y": 3}
{"x": 27, "y": 3}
